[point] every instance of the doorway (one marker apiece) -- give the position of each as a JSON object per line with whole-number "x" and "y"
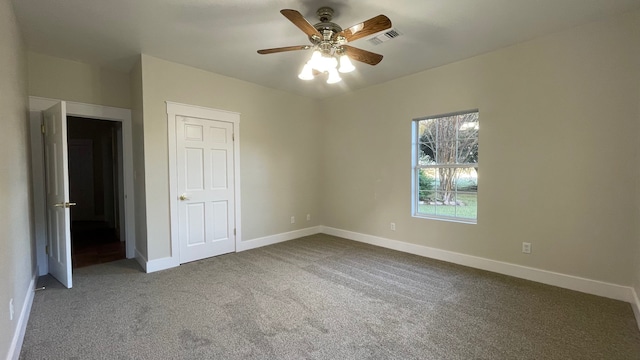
{"x": 95, "y": 185}
{"x": 54, "y": 252}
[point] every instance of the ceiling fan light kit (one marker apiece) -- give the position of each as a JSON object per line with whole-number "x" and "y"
{"x": 331, "y": 55}
{"x": 323, "y": 63}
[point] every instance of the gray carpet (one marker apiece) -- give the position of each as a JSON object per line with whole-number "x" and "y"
{"x": 321, "y": 297}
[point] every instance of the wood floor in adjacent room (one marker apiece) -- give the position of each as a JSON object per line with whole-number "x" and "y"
{"x": 95, "y": 242}
{"x": 321, "y": 297}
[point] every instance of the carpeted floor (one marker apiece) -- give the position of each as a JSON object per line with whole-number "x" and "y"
{"x": 321, "y": 297}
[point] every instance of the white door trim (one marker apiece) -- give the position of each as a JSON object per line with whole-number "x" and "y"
{"x": 36, "y": 106}
{"x": 176, "y": 109}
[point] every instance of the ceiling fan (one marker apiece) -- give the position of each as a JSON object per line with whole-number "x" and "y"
{"x": 329, "y": 43}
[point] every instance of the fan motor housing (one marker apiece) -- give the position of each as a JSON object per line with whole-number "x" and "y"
{"x": 327, "y": 28}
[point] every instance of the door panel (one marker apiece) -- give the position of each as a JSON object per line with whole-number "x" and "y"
{"x": 219, "y": 169}
{"x": 194, "y": 169}
{"x": 57, "y": 188}
{"x": 220, "y": 220}
{"x": 195, "y": 224}
{"x": 205, "y": 179}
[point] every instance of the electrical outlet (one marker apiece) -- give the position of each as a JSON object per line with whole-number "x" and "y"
{"x": 308, "y": 217}
{"x": 393, "y": 226}
{"x": 526, "y": 248}
{"x": 293, "y": 219}
{"x": 11, "y": 309}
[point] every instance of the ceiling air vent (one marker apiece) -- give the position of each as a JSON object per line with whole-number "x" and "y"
{"x": 385, "y": 36}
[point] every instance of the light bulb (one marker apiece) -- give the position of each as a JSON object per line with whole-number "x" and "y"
{"x": 306, "y": 73}
{"x": 345, "y": 64}
{"x": 315, "y": 60}
{"x": 323, "y": 64}
{"x": 334, "y": 77}
{"x": 333, "y": 62}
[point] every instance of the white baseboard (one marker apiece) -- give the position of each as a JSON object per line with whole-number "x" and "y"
{"x": 277, "y": 238}
{"x": 594, "y": 287}
{"x": 142, "y": 260}
{"x": 635, "y": 305}
{"x": 161, "y": 264}
{"x": 18, "y": 336}
{"x": 150, "y": 266}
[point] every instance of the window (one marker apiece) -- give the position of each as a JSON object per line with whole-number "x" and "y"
{"x": 445, "y": 167}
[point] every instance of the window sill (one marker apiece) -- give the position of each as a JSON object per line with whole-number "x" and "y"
{"x": 449, "y": 219}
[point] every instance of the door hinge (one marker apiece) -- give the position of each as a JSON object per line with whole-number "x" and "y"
{"x": 233, "y": 137}
{"x": 46, "y": 249}
{"x": 234, "y": 232}
{"x": 42, "y": 128}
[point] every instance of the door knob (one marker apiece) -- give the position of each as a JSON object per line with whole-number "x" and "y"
{"x": 184, "y": 197}
{"x": 65, "y": 204}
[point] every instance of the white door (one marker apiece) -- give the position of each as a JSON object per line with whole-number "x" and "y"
{"x": 57, "y": 193}
{"x": 205, "y": 173}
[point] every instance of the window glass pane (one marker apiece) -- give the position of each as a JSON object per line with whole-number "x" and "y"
{"x": 426, "y": 154}
{"x": 426, "y": 126}
{"x": 426, "y": 209}
{"x": 426, "y": 184}
{"x": 427, "y": 141}
{"x": 467, "y": 205}
{"x": 468, "y": 138}
{"x": 446, "y": 152}
{"x": 441, "y": 208}
{"x": 467, "y": 180}
{"x": 468, "y": 123}
{"x": 447, "y": 131}
{"x": 446, "y": 182}
{"x": 467, "y": 150}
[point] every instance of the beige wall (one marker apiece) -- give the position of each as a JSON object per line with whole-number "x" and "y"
{"x": 138, "y": 158}
{"x": 558, "y": 152}
{"x": 17, "y": 265}
{"x": 57, "y": 78}
{"x": 279, "y": 149}
{"x": 636, "y": 273}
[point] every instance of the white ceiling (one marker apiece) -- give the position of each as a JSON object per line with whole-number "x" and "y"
{"x": 222, "y": 36}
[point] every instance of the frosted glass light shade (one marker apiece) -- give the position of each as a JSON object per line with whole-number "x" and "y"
{"x": 306, "y": 73}
{"x": 325, "y": 63}
{"x": 345, "y": 64}
{"x": 316, "y": 60}
{"x": 334, "y": 77}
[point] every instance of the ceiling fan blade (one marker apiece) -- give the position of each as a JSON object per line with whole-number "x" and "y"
{"x": 298, "y": 20}
{"x": 364, "y": 56}
{"x": 283, "y": 49}
{"x": 366, "y": 28}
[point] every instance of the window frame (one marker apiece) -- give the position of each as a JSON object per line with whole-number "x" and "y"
{"x": 416, "y": 167}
